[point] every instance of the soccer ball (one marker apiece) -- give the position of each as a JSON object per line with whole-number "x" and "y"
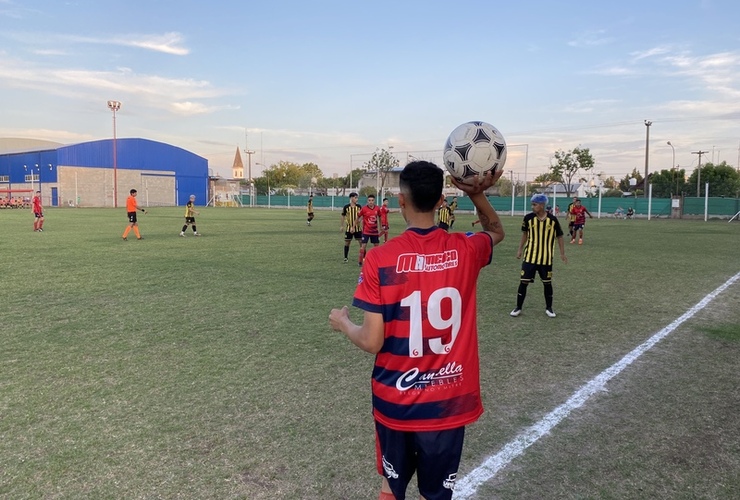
{"x": 472, "y": 149}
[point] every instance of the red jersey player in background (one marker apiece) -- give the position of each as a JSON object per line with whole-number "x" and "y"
{"x": 384, "y": 226}
{"x": 418, "y": 295}
{"x": 579, "y": 212}
{"x": 38, "y": 212}
{"x": 370, "y": 217}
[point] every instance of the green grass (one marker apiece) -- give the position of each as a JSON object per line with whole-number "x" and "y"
{"x": 205, "y": 368}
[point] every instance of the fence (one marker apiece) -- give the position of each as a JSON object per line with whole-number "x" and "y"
{"x": 659, "y": 207}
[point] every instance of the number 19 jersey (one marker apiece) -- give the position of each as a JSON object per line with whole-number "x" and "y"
{"x": 423, "y": 282}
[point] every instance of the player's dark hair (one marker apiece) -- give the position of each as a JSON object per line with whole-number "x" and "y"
{"x": 132, "y": 191}
{"x": 385, "y": 199}
{"x": 422, "y": 181}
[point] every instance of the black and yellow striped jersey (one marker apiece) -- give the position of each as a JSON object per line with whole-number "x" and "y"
{"x": 453, "y": 207}
{"x": 189, "y": 209}
{"x": 445, "y": 215}
{"x": 349, "y": 216}
{"x": 541, "y": 235}
{"x": 309, "y": 207}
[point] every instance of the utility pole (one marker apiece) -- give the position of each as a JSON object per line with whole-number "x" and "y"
{"x": 698, "y": 171}
{"x": 647, "y": 149}
{"x": 249, "y": 154}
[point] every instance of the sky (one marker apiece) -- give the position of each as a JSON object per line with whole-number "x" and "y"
{"x": 330, "y": 82}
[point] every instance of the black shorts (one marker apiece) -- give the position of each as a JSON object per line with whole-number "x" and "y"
{"x": 38, "y": 215}
{"x": 189, "y": 220}
{"x": 577, "y": 227}
{"x": 434, "y": 456}
{"x": 349, "y": 235}
{"x": 372, "y": 238}
{"x": 131, "y": 217}
{"x": 529, "y": 270}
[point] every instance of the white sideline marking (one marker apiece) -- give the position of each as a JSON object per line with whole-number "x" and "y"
{"x": 467, "y": 486}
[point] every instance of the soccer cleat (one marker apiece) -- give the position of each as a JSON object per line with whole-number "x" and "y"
{"x": 140, "y": 238}
{"x": 516, "y": 312}
{"x": 550, "y": 313}
{"x": 182, "y": 234}
{"x": 572, "y": 241}
{"x": 124, "y": 238}
{"x": 580, "y": 241}
{"x": 196, "y": 234}
{"x": 346, "y": 260}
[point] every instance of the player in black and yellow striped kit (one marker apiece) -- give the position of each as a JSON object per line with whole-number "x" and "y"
{"x": 190, "y": 217}
{"x": 444, "y": 216}
{"x": 350, "y": 225}
{"x": 539, "y": 232}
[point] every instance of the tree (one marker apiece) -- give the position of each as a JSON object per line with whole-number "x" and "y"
{"x": 624, "y": 184}
{"x": 666, "y": 183}
{"x": 611, "y": 183}
{"x": 286, "y": 175}
{"x": 569, "y": 164}
{"x": 381, "y": 163}
{"x": 723, "y": 180}
{"x": 546, "y": 178}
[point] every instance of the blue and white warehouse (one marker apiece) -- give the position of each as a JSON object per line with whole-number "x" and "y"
{"x": 101, "y": 173}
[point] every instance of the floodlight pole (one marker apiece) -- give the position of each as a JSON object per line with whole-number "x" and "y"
{"x": 673, "y": 165}
{"x": 647, "y": 150}
{"x": 698, "y": 171}
{"x": 249, "y": 154}
{"x": 115, "y": 106}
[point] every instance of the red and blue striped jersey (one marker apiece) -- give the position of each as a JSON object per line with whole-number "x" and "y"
{"x": 423, "y": 282}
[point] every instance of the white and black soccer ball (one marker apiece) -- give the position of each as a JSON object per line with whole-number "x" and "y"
{"x": 474, "y": 148}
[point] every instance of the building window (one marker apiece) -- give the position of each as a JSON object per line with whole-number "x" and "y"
{"x": 32, "y": 177}
{"x": 4, "y": 178}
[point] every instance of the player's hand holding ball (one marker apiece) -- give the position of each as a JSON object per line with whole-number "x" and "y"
{"x": 478, "y": 183}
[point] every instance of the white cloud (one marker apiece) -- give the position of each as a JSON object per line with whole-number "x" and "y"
{"x": 168, "y": 43}
{"x": 655, "y": 51}
{"x": 175, "y": 95}
{"x": 591, "y": 39}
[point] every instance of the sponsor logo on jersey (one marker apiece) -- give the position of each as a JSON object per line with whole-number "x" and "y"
{"x": 414, "y": 379}
{"x": 426, "y": 263}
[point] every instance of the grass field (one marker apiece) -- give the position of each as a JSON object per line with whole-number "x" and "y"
{"x": 205, "y": 368}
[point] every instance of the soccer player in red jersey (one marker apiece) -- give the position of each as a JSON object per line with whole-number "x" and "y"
{"x": 38, "y": 213}
{"x": 418, "y": 294}
{"x": 384, "y": 226}
{"x": 579, "y": 211}
{"x": 369, "y": 216}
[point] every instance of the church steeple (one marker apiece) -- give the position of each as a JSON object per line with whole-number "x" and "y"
{"x": 237, "y": 170}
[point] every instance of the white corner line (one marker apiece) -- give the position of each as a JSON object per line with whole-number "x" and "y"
{"x": 467, "y": 486}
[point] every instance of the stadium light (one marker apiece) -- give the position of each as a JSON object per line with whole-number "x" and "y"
{"x": 115, "y": 106}
{"x": 647, "y": 149}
